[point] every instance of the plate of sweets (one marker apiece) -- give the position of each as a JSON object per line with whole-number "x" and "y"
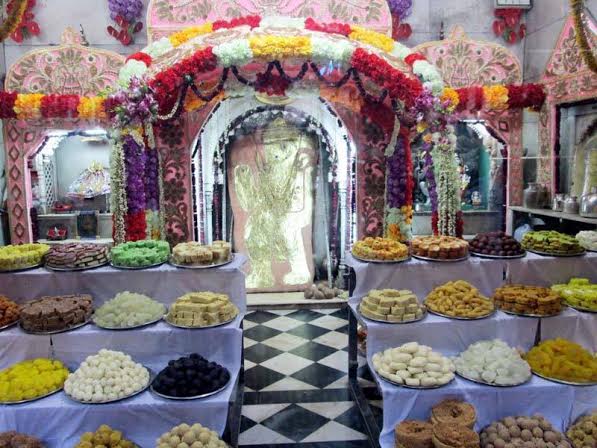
{"x": 588, "y": 239}
{"x": 528, "y": 301}
{"x": 127, "y": 311}
{"x": 380, "y": 250}
{"x": 104, "y": 437}
{"x": 56, "y": 314}
{"x": 140, "y": 254}
{"x": 392, "y": 306}
{"x": 22, "y": 257}
{"x": 13, "y": 439}
{"x": 459, "y": 300}
{"x": 578, "y": 293}
{"x": 194, "y": 435}
{"x": 496, "y": 245}
{"x": 439, "y": 248}
{"x": 563, "y": 361}
{"x": 552, "y": 243}
{"x": 76, "y": 256}
{"x": 31, "y": 380}
{"x": 193, "y": 255}
{"x": 203, "y": 309}
{"x": 9, "y": 313}
{"x": 583, "y": 432}
{"x": 523, "y": 431}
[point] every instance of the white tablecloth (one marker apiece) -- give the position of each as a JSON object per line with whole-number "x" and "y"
{"x": 164, "y": 283}
{"x": 559, "y": 403}
{"x": 545, "y": 271}
{"x": 60, "y": 421}
{"x": 574, "y": 325}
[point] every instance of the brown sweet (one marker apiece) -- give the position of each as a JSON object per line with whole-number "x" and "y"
{"x": 447, "y": 435}
{"x": 9, "y": 311}
{"x": 440, "y": 247}
{"x": 54, "y": 313}
{"x": 527, "y": 432}
{"x": 497, "y": 244}
{"x": 413, "y": 434}
{"x": 458, "y": 299}
{"x": 12, "y": 439}
{"x": 527, "y": 299}
{"x": 454, "y": 412}
{"x": 76, "y": 255}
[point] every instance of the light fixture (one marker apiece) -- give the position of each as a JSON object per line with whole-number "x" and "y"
{"x": 522, "y": 4}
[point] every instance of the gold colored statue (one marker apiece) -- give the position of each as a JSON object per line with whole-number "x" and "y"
{"x": 277, "y": 195}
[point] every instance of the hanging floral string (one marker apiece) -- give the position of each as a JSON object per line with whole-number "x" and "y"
{"x": 27, "y": 26}
{"x": 16, "y": 11}
{"x": 582, "y": 41}
{"x": 135, "y": 158}
{"x": 126, "y": 14}
{"x": 118, "y": 200}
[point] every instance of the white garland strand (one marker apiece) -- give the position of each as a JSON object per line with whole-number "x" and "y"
{"x": 118, "y": 199}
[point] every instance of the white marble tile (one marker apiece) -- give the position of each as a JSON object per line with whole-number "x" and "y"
{"x": 281, "y": 312}
{"x": 286, "y": 363}
{"x": 288, "y": 383}
{"x": 260, "y": 412}
{"x": 329, "y": 322}
{"x": 328, "y": 409}
{"x": 283, "y": 323}
{"x": 248, "y": 342}
{"x": 341, "y": 383}
{"x": 337, "y": 360}
{"x": 260, "y": 435}
{"x": 247, "y": 324}
{"x": 333, "y": 431}
{"x": 249, "y": 364}
{"x": 333, "y": 339}
{"x": 285, "y": 342}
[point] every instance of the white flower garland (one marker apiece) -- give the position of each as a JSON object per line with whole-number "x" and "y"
{"x": 447, "y": 181}
{"x": 159, "y": 48}
{"x": 325, "y": 50}
{"x": 236, "y": 52}
{"x": 118, "y": 200}
{"x": 132, "y": 68}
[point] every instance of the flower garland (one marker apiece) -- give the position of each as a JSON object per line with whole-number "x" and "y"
{"x": 26, "y": 26}
{"x": 135, "y": 158}
{"x": 446, "y": 175}
{"x": 133, "y": 106}
{"x": 126, "y": 14}
{"x": 399, "y": 190}
{"x": 587, "y": 54}
{"x": 118, "y": 200}
{"x": 496, "y": 97}
{"x": 16, "y": 11}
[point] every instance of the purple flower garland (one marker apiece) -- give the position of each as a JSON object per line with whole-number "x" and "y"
{"x": 134, "y": 160}
{"x": 152, "y": 168}
{"x": 402, "y": 8}
{"x": 129, "y": 10}
{"x": 430, "y": 175}
{"x": 397, "y": 179}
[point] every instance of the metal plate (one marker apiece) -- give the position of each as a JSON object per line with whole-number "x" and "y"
{"x": 31, "y": 399}
{"x": 491, "y": 384}
{"x": 577, "y": 308}
{"x": 27, "y": 268}
{"x": 569, "y": 383}
{"x": 82, "y": 268}
{"x": 201, "y": 266}
{"x": 441, "y": 260}
{"x": 590, "y": 250}
{"x": 551, "y": 254}
{"x": 196, "y": 397}
{"x": 136, "y": 268}
{"x": 461, "y": 318}
{"x": 134, "y": 394}
{"x": 365, "y": 260}
{"x": 199, "y": 328}
{"x": 414, "y": 387}
{"x": 146, "y": 324}
{"x": 499, "y": 257}
{"x": 48, "y": 333}
{"x": 392, "y": 323}
{"x": 514, "y": 313}
{"x": 9, "y": 325}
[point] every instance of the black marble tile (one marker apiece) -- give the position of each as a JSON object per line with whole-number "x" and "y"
{"x": 341, "y": 313}
{"x": 297, "y": 396}
{"x": 305, "y": 315}
{"x": 246, "y": 423}
{"x": 343, "y": 329}
{"x": 259, "y": 353}
{"x": 260, "y": 317}
{"x": 259, "y": 377}
{"x": 308, "y": 331}
{"x": 365, "y": 373}
{"x": 313, "y": 351}
{"x": 343, "y": 444}
{"x": 261, "y": 333}
{"x": 318, "y": 375}
{"x": 353, "y": 419}
{"x": 295, "y": 422}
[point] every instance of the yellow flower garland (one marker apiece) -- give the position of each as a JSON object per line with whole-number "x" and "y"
{"x": 373, "y": 38}
{"x": 187, "y": 34}
{"x": 278, "y": 47}
{"x": 28, "y": 106}
{"x": 451, "y": 95}
{"x": 91, "y": 108}
{"x": 496, "y": 97}
{"x": 586, "y": 52}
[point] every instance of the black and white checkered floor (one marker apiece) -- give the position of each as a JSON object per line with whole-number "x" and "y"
{"x": 296, "y": 382}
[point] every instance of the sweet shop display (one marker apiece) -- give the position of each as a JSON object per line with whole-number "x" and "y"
{"x": 76, "y": 256}
{"x": 106, "y": 377}
{"x": 189, "y": 377}
{"x": 439, "y": 248}
{"x": 140, "y": 254}
{"x": 413, "y": 434}
{"x": 459, "y": 300}
{"x": 9, "y": 312}
{"x": 527, "y": 300}
{"x": 14, "y": 258}
{"x": 454, "y": 412}
{"x": 496, "y": 245}
{"x": 550, "y": 242}
{"x": 196, "y": 254}
{"x": 588, "y": 239}
{"x": 32, "y": 379}
{"x": 192, "y": 436}
{"x": 583, "y": 433}
{"x": 380, "y": 249}
{"x": 390, "y": 305}
{"x": 578, "y": 293}
{"x": 201, "y": 309}
{"x": 128, "y": 310}
{"x": 12, "y": 439}
{"x": 532, "y": 432}
{"x": 104, "y": 437}
{"x": 447, "y": 435}
{"x": 56, "y": 313}
{"x": 560, "y": 359}
{"x": 494, "y": 363}
{"x": 414, "y": 365}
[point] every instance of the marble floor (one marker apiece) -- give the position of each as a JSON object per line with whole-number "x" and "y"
{"x": 296, "y": 383}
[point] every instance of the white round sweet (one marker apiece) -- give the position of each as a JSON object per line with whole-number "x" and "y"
{"x": 128, "y": 309}
{"x": 109, "y": 375}
{"x": 414, "y": 365}
{"x": 493, "y": 362}
{"x": 195, "y": 436}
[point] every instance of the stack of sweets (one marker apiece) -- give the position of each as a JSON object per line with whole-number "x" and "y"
{"x": 528, "y": 300}
{"x": 201, "y": 309}
{"x": 392, "y": 306}
{"x": 551, "y": 242}
{"x": 9, "y": 311}
{"x": 55, "y": 313}
{"x": 76, "y": 256}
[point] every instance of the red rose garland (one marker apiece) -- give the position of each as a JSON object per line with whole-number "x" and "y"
{"x": 7, "y": 103}
{"x": 272, "y": 84}
{"x": 330, "y": 28}
{"x": 414, "y": 57}
{"x": 140, "y": 56}
{"x": 136, "y": 226}
{"x": 59, "y": 106}
{"x": 252, "y": 21}
{"x": 528, "y": 95}
{"x": 471, "y": 99}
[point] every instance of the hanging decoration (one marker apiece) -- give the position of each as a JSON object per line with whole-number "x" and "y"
{"x": 27, "y": 26}
{"x": 588, "y": 54}
{"x": 15, "y": 13}
{"x": 508, "y": 26}
{"x": 126, "y": 14}
{"x": 400, "y": 10}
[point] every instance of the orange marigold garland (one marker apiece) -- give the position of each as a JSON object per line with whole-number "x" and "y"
{"x": 16, "y": 11}
{"x": 496, "y": 97}
{"x": 586, "y": 52}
